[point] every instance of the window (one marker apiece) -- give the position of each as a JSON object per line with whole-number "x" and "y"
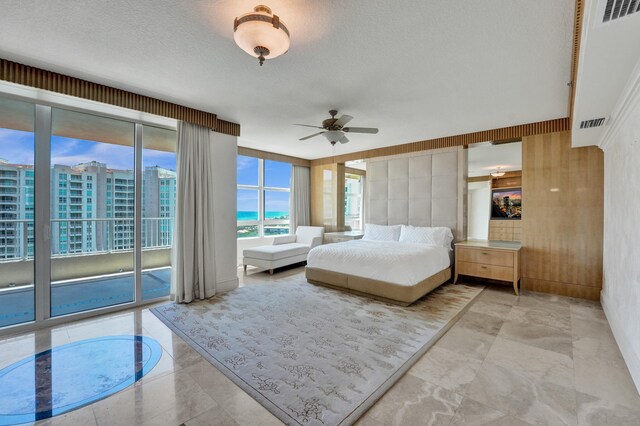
{"x": 353, "y": 201}
{"x": 263, "y": 195}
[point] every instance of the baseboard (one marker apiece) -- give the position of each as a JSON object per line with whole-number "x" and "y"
{"x": 631, "y": 358}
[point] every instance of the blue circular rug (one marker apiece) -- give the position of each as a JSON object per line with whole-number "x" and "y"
{"x": 68, "y": 377}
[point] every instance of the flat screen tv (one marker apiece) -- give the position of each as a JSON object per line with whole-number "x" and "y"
{"x": 506, "y": 204}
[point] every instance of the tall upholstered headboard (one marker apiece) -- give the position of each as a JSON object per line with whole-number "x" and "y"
{"x": 421, "y": 189}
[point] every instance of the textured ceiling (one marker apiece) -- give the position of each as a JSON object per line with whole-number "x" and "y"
{"x": 416, "y": 69}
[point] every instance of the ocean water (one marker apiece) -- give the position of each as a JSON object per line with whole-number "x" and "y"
{"x": 247, "y": 215}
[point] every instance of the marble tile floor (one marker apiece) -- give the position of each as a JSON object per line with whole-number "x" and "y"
{"x": 533, "y": 359}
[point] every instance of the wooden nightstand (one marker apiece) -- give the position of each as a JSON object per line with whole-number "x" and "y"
{"x": 497, "y": 260}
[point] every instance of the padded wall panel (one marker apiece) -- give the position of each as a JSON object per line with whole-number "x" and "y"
{"x": 422, "y": 189}
{"x": 377, "y": 170}
{"x": 378, "y": 189}
{"x": 399, "y": 168}
{"x": 420, "y": 166}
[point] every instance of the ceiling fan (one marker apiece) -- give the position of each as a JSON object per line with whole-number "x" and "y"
{"x": 333, "y": 128}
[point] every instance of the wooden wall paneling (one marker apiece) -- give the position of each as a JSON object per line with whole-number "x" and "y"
{"x": 317, "y": 194}
{"x": 518, "y": 131}
{"x": 340, "y": 195}
{"x": 562, "y": 224}
{"x": 265, "y": 155}
{"x": 327, "y": 196}
{"x": 48, "y": 80}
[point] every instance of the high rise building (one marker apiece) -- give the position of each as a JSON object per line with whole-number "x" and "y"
{"x": 159, "y": 195}
{"x": 92, "y": 209}
{"x": 16, "y": 210}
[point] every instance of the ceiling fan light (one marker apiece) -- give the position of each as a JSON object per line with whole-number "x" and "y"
{"x": 497, "y": 173}
{"x": 333, "y": 135}
{"x": 261, "y": 34}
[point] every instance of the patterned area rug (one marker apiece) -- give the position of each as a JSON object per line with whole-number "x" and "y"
{"x": 313, "y": 355}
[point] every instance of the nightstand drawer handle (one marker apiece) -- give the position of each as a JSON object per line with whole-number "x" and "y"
{"x": 483, "y": 267}
{"x": 484, "y": 252}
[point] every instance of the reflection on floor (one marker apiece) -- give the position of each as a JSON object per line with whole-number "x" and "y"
{"x": 45, "y": 385}
{"x": 533, "y": 359}
{"x": 16, "y": 306}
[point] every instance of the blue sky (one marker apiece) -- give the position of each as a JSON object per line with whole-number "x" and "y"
{"x": 18, "y": 147}
{"x": 277, "y": 175}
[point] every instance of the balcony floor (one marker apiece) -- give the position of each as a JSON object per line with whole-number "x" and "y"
{"x": 83, "y": 295}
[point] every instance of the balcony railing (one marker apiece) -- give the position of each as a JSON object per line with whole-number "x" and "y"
{"x": 87, "y": 236}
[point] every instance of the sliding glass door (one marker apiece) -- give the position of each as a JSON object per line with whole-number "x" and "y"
{"x": 17, "y": 201}
{"x": 86, "y": 212}
{"x": 159, "y": 185}
{"x": 92, "y": 212}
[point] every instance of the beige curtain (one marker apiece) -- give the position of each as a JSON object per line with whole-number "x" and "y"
{"x": 300, "y": 207}
{"x": 193, "y": 255}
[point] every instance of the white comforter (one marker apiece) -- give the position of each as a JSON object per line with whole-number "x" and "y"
{"x": 391, "y": 261}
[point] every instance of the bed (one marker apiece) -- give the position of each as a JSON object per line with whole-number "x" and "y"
{"x": 387, "y": 267}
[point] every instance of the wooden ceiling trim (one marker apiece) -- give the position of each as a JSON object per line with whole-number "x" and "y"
{"x": 512, "y": 132}
{"x": 59, "y": 83}
{"x": 575, "y": 58}
{"x": 266, "y": 155}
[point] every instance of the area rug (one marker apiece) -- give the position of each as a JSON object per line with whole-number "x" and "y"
{"x": 309, "y": 354}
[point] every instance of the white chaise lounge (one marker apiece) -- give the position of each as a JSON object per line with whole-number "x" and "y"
{"x": 285, "y": 250}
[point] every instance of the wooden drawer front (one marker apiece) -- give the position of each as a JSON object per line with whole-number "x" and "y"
{"x": 485, "y": 271}
{"x": 486, "y": 257}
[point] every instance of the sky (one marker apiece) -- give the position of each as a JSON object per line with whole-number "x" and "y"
{"x": 277, "y": 175}
{"x": 18, "y": 148}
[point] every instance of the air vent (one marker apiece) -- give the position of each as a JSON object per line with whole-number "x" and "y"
{"x": 616, "y": 9}
{"x": 596, "y": 122}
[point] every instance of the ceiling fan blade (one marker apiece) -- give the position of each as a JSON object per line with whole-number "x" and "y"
{"x": 308, "y": 125}
{"x": 343, "y": 139}
{"x": 310, "y": 136}
{"x": 343, "y": 120}
{"x": 360, "y": 130}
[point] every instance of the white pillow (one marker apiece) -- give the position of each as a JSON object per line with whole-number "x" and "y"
{"x": 381, "y": 232}
{"x": 434, "y": 236}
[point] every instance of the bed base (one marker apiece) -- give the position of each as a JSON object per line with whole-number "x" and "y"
{"x": 379, "y": 290}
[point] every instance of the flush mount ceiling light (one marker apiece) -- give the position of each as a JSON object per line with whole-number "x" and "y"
{"x": 261, "y": 34}
{"x": 497, "y": 173}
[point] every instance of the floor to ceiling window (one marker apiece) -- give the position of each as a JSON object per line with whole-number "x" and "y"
{"x": 159, "y": 180}
{"x": 17, "y": 201}
{"x": 264, "y": 190}
{"x": 277, "y": 190}
{"x": 104, "y": 226}
{"x": 92, "y": 211}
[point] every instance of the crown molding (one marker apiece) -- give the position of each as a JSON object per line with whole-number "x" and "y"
{"x": 626, "y": 104}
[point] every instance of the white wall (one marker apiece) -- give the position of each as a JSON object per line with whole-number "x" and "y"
{"x": 621, "y": 286}
{"x": 224, "y": 210}
{"x": 479, "y": 210}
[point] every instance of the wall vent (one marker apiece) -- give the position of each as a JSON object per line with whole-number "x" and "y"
{"x": 596, "y": 122}
{"x": 616, "y": 9}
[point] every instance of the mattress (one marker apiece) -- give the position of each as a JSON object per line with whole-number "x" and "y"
{"x": 404, "y": 264}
